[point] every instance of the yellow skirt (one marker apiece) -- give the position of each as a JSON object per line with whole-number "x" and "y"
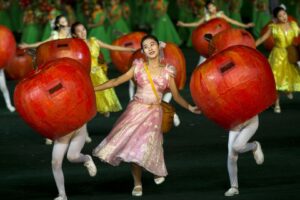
{"x": 286, "y": 74}
{"x": 106, "y": 100}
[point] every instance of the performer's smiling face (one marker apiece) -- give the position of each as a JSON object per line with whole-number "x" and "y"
{"x": 63, "y": 22}
{"x": 282, "y": 16}
{"x": 80, "y": 31}
{"x": 211, "y": 8}
{"x": 150, "y": 48}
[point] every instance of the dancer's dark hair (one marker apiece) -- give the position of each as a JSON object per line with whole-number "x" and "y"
{"x": 277, "y": 10}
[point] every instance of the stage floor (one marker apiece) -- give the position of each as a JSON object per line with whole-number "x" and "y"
{"x": 195, "y": 154}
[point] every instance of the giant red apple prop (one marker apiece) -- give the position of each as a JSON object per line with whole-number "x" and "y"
{"x": 20, "y": 65}
{"x": 233, "y": 86}
{"x": 73, "y": 48}
{"x": 121, "y": 59}
{"x": 56, "y": 99}
{"x": 7, "y": 46}
{"x": 231, "y": 37}
{"x": 212, "y": 27}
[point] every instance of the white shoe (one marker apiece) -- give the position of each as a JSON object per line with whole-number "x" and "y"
{"x": 11, "y": 108}
{"x": 61, "y": 198}
{"x": 88, "y": 139}
{"x": 91, "y": 167}
{"x": 48, "y": 141}
{"x": 159, "y": 180}
{"x": 176, "y": 120}
{"x": 258, "y": 154}
{"x": 277, "y": 109}
{"x": 290, "y": 95}
{"x": 137, "y": 191}
{"x": 231, "y": 192}
{"x": 107, "y": 114}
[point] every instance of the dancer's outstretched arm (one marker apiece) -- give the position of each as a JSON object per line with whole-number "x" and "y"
{"x": 116, "y": 81}
{"x": 178, "y": 98}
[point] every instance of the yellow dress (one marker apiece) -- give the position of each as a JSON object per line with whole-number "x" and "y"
{"x": 106, "y": 100}
{"x": 286, "y": 74}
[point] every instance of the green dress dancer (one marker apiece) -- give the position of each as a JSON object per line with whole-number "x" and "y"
{"x": 79, "y": 11}
{"x": 126, "y": 13}
{"x": 173, "y": 10}
{"x": 118, "y": 26}
{"x": 223, "y": 5}
{"x": 163, "y": 28}
{"x": 99, "y": 32}
{"x": 48, "y": 27}
{"x": 16, "y": 11}
{"x": 199, "y": 13}
{"x": 70, "y": 13}
{"x": 235, "y": 10}
{"x": 262, "y": 16}
{"x": 147, "y": 15}
{"x": 189, "y": 42}
{"x": 245, "y": 10}
{"x": 4, "y": 15}
{"x": 185, "y": 15}
{"x": 31, "y": 30}
{"x": 134, "y": 16}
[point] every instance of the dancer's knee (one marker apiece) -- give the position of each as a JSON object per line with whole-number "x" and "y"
{"x": 232, "y": 157}
{"x": 72, "y": 156}
{"x": 238, "y": 147}
{"x": 254, "y": 122}
{"x": 2, "y": 88}
{"x": 56, "y": 164}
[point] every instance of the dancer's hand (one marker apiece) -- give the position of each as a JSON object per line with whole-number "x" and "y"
{"x": 249, "y": 25}
{"x": 194, "y": 109}
{"x": 23, "y": 45}
{"x": 179, "y": 23}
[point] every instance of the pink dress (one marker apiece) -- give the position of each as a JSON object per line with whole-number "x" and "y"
{"x": 136, "y": 137}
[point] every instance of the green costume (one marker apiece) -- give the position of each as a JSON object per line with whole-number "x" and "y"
{"x": 118, "y": 26}
{"x": 262, "y": 16}
{"x": 235, "y": 10}
{"x": 163, "y": 28}
{"x": 99, "y": 32}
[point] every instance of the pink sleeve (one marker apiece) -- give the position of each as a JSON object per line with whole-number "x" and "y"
{"x": 137, "y": 64}
{"x": 171, "y": 70}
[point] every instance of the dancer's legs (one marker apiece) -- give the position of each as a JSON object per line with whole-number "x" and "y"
{"x": 74, "y": 153}
{"x": 136, "y": 171}
{"x": 238, "y": 143}
{"x": 5, "y": 92}
{"x": 59, "y": 149}
{"x": 76, "y": 144}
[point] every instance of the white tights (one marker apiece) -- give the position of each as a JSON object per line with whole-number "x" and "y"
{"x": 5, "y": 92}
{"x": 73, "y": 143}
{"x": 238, "y": 143}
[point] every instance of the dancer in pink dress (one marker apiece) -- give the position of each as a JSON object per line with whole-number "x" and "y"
{"x": 136, "y": 137}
